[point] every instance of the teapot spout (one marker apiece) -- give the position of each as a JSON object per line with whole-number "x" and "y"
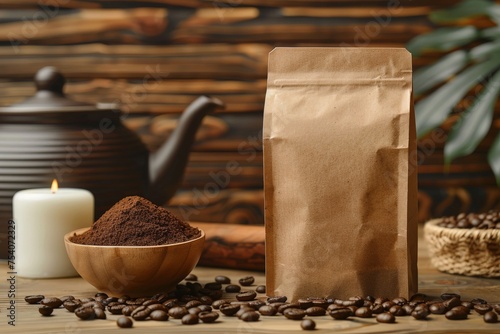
{"x": 167, "y": 164}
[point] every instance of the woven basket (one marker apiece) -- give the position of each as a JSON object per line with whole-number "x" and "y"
{"x": 470, "y": 252}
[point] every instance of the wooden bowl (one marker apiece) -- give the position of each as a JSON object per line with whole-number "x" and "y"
{"x": 134, "y": 270}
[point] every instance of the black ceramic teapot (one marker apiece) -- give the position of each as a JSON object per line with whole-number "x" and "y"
{"x": 86, "y": 146}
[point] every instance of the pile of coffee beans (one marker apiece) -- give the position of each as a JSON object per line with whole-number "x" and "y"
{"x": 488, "y": 220}
{"x": 192, "y": 303}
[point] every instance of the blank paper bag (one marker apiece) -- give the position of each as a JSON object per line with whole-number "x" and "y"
{"x": 340, "y": 185}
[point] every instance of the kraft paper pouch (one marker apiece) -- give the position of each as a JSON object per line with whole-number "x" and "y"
{"x": 340, "y": 182}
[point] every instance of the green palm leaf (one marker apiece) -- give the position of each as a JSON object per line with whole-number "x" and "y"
{"x": 485, "y": 51}
{"x": 474, "y": 124}
{"x": 430, "y": 76}
{"x": 443, "y": 39}
{"x": 465, "y": 9}
{"x": 494, "y": 158}
{"x": 433, "y": 110}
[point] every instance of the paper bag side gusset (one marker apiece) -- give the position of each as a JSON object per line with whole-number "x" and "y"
{"x": 337, "y": 198}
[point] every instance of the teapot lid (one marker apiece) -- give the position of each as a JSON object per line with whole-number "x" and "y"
{"x": 50, "y": 96}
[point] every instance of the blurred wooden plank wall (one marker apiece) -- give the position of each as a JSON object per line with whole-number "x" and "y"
{"x": 156, "y": 56}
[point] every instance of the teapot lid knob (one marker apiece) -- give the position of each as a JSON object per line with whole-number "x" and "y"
{"x": 49, "y": 78}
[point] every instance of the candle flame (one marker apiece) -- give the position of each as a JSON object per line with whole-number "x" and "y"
{"x": 54, "y": 186}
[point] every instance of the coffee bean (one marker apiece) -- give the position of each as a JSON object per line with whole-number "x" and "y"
{"x": 467, "y": 304}
{"x": 45, "y": 310}
{"x": 206, "y": 300}
{"x": 305, "y": 303}
{"x": 363, "y": 312}
{"x": 150, "y": 302}
{"x": 243, "y": 309}
{"x": 277, "y": 299}
{"x": 229, "y": 309}
{"x": 178, "y": 312}
{"x": 478, "y": 301}
{"x": 217, "y": 303}
{"x": 86, "y": 300}
{"x": 386, "y": 318}
{"x": 256, "y": 304}
{"x": 140, "y": 313}
{"x": 213, "y": 286}
{"x": 420, "y": 312}
{"x": 268, "y": 310}
{"x": 124, "y": 322}
{"x": 66, "y": 298}
{"x": 158, "y": 315}
{"x": 246, "y": 281}
{"x": 53, "y": 302}
{"x": 490, "y": 317}
{"x": 457, "y": 313}
{"x": 387, "y": 305}
{"x": 171, "y": 303}
{"x": 437, "y": 308}
{"x": 85, "y": 313}
{"x": 340, "y": 313}
{"x": 190, "y": 319}
{"x": 315, "y": 311}
{"x": 449, "y": 295}
{"x": 93, "y": 304}
{"x": 127, "y": 310}
{"x": 246, "y": 296}
{"x": 194, "y": 310}
{"x": 380, "y": 301}
{"x": 308, "y": 324}
{"x": 192, "y": 303}
{"x": 71, "y": 305}
{"x": 408, "y": 309}
{"x": 377, "y": 309}
{"x": 222, "y": 279}
{"x": 34, "y": 299}
{"x": 260, "y": 289}
{"x": 285, "y": 306}
{"x": 117, "y": 308}
{"x": 208, "y": 317}
{"x": 418, "y": 296}
{"x": 233, "y": 288}
{"x": 205, "y": 308}
{"x": 294, "y": 313}
{"x": 99, "y": 313}
{"x": 398, "y": 311}
{"x": 191, "y": 277}
{"x": 482, "y": 308}
{"x": 320, "y": 302}
{"x": 400, "y": 301}
{"x": 452, "y": 302}
{"x": 155, "y": 307}
{"x": 496, "y": 307}
{"x": 250, "y": 316}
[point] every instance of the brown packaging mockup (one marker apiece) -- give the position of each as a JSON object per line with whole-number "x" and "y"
{"x": 340, "y": 173}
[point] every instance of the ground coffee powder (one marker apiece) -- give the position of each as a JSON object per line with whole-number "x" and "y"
{"x": 135, "y": 221}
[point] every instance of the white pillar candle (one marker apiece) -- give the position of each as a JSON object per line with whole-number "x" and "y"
{"x": 42, "y": 218}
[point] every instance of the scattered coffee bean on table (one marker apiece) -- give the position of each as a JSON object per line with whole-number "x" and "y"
{"x": 386, "y": 318}
{"x": 250, "y": 316}
{"x": 233, "y": 288}
{"x": 190, "y": 319}
{"x": 191, "y": 277}
{"x": 246, "y": 281}
{"x": 45, "y": 310}
{"x": 222, "y": 279}
{"x": 308, "y": 324}
{"x": 490, "y": 317}
{"x": 192, "y": 303}
{"x": 260, "y": 289}
{"x": 124, "y": 322}
{"x": 34, "y": 299}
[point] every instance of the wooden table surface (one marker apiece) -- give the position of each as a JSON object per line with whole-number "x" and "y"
{"x": 431, "y": 282}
